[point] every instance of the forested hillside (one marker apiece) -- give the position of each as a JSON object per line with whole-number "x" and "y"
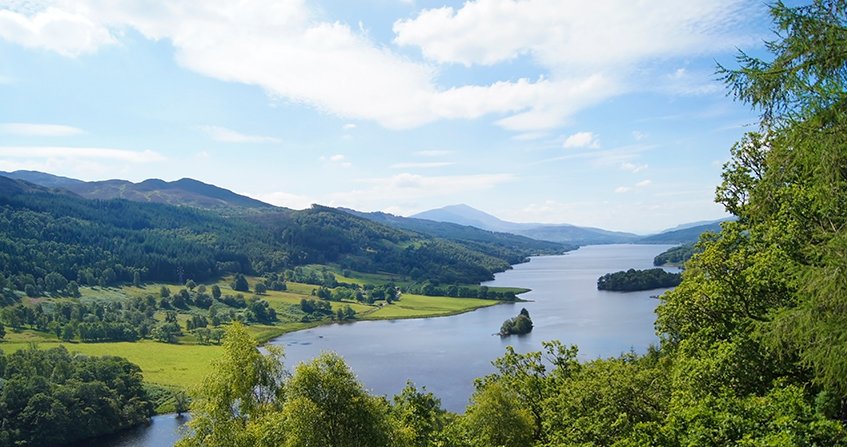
{"x": 108, "y": 242}
{"x": 512, "y": 247}
{"x": 753, "y": 347}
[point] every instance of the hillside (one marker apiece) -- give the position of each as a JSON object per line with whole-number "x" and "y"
{"x": 183, "y": 192}
{"x": 44, "y": 231}
{"x": 683, "y": 236}
{"x": 483, "y": 240}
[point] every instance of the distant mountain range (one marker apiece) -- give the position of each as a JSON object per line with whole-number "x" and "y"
{"x": 565, "y": 233}
{"x": 183, "y": 192}
{"x": 454, "y": 222}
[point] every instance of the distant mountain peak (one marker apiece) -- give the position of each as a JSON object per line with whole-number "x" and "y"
{"x": 183, "y": 192}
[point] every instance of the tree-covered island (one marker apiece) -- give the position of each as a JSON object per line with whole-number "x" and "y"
{"x": 634, "y": 280}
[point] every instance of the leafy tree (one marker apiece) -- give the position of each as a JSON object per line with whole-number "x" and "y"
{"x": 216, "y": 292}
{"x": 240, "y": 398}
{"x": 418, "y": 416}
{"x": 181, "y": 402}
{"x": 328, "y": 406}
{"x": 240, "y": 283}
{"x": 50, "y": 397}
{"x": 494, "y": 419}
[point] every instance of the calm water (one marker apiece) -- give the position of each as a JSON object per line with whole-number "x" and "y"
{"x": 446, "y": 354}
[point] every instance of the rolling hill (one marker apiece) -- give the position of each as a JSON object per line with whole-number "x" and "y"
{"x": 107, "y": 241}
{"x": 183, "y": 192}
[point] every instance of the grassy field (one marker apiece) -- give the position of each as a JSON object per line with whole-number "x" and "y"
{"x": 185, "y": 364}
{"x": 418, "y": 306}
{"x": 161, "y": 363}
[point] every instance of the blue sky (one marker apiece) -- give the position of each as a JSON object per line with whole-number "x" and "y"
{"x": 602, "y": 113}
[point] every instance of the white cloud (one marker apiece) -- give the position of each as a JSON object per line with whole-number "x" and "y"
{"x": 638, "y": 135}
{"x": 225, "y": 135}
{"x": 348, "y": 126}
{"x": 623, "y": 189}
{"x": 336, "y": 160}
{"x": 422, "y": 165}
{"x": 587, "y": 51}
{"x": 582, "y": 139}
{"x": 73, "y": 153}
{"x": 573, "y": 34}
{"x": 65, "y": 32}
{"x": 632, "y": 167}
{"x": 40, "y": 130}
{"x": 644, "y": 183}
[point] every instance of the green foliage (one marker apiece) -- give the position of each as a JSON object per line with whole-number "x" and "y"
{"x": 676, "y": 255}
{"x": 418, "y": 416}
{"x": 519, "y": 325}
{"x": 633, "y": 280}
{"x": 50, "y": 397}
{"x": 495, "y": 419}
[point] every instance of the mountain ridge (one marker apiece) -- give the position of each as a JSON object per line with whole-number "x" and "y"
{"x": 182, "y": 192}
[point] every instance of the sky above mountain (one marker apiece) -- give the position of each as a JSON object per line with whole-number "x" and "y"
{"x": 605, "y": 114}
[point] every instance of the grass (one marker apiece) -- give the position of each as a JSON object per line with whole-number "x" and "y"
{"x": 419, "y": 306}
{"x": 185, "y": 364}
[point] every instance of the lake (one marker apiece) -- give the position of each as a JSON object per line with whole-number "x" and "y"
{"x": 446, "y": 354}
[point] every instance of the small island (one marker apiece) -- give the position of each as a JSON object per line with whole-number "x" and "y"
{"x": 634, "y": 280}
{"x": 519, "y": 325}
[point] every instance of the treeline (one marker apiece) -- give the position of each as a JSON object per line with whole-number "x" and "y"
{"x": 633, "y": 280}
{"x": 429, "y": 288}
{"x": 51, "y": 397}
{"x": 676, "y": 255}
{"x": 54, "y": 243}
{"x": 135, "y": 318}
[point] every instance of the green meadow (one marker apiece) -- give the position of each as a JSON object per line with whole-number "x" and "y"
{"x": 184, "y": 364}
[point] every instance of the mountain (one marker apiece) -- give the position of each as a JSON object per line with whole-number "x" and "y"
{"x": 491, "y": 242}
{"x": 699, "y": 223}
{"x": 563, "y": 233}
{"x": 45, "y": 231}
{"x": 687, "y": 234}
{"x": 184, "y": 192}
{"x": 465, "y": 215}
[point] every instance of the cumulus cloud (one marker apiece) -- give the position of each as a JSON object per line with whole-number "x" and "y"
{"x": 582, "y": 139}
{"x": 573, "y": 34}
{"x": 69, "y": 33}
{"x": 39, "y": 130}
{"x": 623, "y": 189}
{"x": 225, "y": 135}
{"x": 644, "y": 183}
{"x": 291, "y": 51}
